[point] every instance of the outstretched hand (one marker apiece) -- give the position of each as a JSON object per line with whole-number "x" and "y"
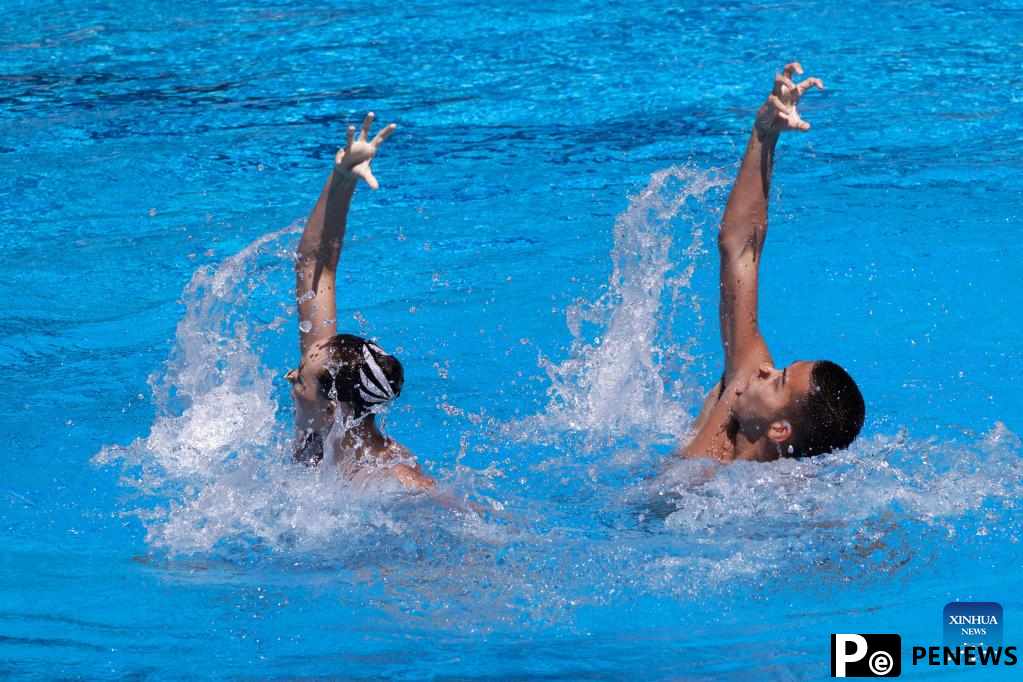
{"x": 778, "y": 113}
{"x": 358, "y": 152}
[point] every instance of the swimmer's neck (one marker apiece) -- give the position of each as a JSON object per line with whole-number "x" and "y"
{"x": 749, "y": 447}
{"x": 365, "y": 436}
{"x": 322, "y": 422}
{"x": 365, "y": 433}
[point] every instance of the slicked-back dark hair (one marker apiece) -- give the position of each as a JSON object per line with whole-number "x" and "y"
{"x": 346, "y": 375}
{"x": 831, "y": 415}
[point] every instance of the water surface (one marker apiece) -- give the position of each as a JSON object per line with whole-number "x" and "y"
{"x": 541, "y": 258}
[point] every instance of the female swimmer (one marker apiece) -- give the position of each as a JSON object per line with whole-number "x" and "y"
{"x": 343, "y": 380}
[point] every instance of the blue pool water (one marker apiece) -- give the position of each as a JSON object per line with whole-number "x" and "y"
{"x": 541, "y": 258}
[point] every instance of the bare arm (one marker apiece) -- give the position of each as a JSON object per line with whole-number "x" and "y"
{"x": 740, "y": 242}
{"x": 320, "y": 248}
{"x": 744, "y": 226}
{"x": 412, "y": 477}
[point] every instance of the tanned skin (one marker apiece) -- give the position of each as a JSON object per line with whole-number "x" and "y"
{"x": 743, "y": 416}
{"x": 319, "y": 252}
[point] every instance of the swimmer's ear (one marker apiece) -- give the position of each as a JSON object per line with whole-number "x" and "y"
{"x": 779, "y": 432}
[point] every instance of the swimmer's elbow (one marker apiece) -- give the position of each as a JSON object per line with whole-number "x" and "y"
{"x": 738, "y": 250}
{"x": 322, "y": 255}
{"x": 731, "y": 245}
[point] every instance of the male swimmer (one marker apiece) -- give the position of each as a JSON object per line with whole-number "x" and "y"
{"x": 343, "y": 378}
{"x": 756, "y": 411}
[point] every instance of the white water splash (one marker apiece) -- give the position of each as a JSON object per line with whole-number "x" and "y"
{"x": 885, "y": 505}
{"x": 215, "y": 472}
{"x": 215, "y": 478}
{"x": 627, "y": 374}
{"x": 214, "y": 396}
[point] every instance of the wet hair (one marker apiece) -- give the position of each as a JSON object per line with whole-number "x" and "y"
{"x": 358, "y": 372}
{"x": 831, "y": 415}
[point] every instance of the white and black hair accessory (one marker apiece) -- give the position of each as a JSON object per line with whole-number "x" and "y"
{"x": 369, "y": 391}
{"x": 370, "y": 399}
{"x": 378, "y": 391}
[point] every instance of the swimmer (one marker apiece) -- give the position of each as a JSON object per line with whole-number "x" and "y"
{"x": 757, "y": 411}
{"x": 343, "y": 377}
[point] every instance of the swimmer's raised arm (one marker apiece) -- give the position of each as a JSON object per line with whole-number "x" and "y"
{"x": 320, "y": 247}
{"x": 757, "y": 411}
{"x": 744, "y": 226}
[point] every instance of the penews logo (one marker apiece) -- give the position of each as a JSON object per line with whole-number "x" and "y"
{"x": 866, "y": 655}
{"x": 972, "y": 638}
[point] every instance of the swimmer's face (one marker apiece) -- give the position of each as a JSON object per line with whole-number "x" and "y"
{"x": 770, "y": 395}
{"x": 305, "y": 388}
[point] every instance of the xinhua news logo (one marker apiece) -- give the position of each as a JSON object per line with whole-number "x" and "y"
{"x": 977, "y": 624}
{"x": 866, "y": 655}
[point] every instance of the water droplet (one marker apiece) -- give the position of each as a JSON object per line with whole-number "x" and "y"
{"x": 305, "y": 326}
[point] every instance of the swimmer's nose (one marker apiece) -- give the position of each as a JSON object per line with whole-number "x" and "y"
{"x": 765, "y": 370}
{"x": 292, "y": 376}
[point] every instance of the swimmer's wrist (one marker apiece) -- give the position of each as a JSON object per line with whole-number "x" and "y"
{"x": 344, "y": 176}
{"x": 765, "y": 136}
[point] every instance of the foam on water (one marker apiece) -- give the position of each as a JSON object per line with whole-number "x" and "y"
{"x": 614, "y": 521}
{"x": 845, "y": 514}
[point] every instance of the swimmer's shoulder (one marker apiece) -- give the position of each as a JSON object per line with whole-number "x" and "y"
{"x": 406, "y": 469}
{"x": 711, "y": 432}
